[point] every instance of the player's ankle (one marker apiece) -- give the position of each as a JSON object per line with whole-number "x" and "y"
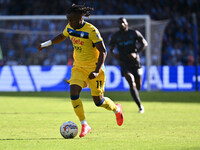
{"x": 117, "y": 110}
{"x": 84, "y": 122}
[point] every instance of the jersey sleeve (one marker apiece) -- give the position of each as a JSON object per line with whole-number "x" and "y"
{"x": 95, "y": 36}
{"x": 65, "y": 33}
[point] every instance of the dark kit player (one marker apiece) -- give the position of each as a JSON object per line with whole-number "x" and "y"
{"x": 129, "y": 43}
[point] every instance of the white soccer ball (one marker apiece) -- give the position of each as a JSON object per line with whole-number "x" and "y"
{"x": 68, "y": 130}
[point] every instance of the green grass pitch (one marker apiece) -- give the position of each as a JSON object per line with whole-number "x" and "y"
{"x": 31, "y": 121}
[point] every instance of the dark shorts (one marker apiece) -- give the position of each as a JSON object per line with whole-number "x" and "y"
{"x": 136, "y": 71}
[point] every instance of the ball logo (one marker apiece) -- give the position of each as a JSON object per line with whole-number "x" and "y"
{"x": 67, "y": 127}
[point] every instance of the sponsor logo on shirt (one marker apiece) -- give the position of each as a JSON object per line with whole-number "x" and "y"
{"x": 76, "y": 41}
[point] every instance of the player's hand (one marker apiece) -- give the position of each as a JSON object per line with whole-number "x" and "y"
{"x": 93, "y": 75}
{"x": 132, "y": 56}
{"x": 40, "y": 48}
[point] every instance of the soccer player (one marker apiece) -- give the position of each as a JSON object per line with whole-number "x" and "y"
{"x": 129, "y": 43}
{"x": 88, "y": 68}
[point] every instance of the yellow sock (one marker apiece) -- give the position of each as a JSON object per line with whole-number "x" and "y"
{"x": 109, "y": 104}
{"x": 78, "y": 108}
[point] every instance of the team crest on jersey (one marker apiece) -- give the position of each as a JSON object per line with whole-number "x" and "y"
{"x": 82, "y": 34}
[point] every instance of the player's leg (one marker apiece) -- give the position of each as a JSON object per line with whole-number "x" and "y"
{"x": 77, "y": 82}
{"x": 138, "y": 81}
{"x": 78, "y": 108}
{"x": 133, "y": 90}
{"x": 76, "y": 101}
{"x": 97, "y": 89}
{"x": 107, "y": 103}
{"x": 138, "y": 78}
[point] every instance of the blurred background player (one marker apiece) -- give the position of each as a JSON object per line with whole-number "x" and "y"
{"x": 129, "y": 43}
{"x": 89, "y": 56}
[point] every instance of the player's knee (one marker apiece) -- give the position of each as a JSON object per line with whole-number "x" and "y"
{"x": 99, "y": 103}
{"x": 75, "y": 90}
{"x": 98, "y": 100}
{"x": 138, "y": 85}
{"x": 132, "y": 85}
{"x": 130, "y": 78}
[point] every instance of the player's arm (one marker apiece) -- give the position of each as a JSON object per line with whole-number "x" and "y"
{"x": 59, "y": 38}
{"x": 102, "y": 56}
{"x": 142, "y": 42}
{"x": 111, "y": 48}
{"x": 142, "y": 45}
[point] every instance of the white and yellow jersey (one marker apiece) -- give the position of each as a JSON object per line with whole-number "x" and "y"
{"x": 84, "y": 40}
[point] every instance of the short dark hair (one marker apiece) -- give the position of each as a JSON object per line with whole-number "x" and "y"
{"x": 84, "y": 11}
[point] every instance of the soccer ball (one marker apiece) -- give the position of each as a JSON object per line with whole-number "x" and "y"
{"x": 68, "y": 130}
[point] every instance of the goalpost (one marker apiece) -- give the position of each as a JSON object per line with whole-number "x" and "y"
{"x": 105, "y": 23}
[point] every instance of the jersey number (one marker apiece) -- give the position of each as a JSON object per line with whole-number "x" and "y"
{"x": 99, "y": 84}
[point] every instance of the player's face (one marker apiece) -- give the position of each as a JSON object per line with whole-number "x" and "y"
{"x": 74, "y": 20}
{"x": 123, "y": 24}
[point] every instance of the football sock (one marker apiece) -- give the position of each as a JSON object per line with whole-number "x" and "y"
{"x": 108, "y": 104}
{"x": 78, "y": 108}
{"x": 135, "y": 95}
{"x": 118, "y": 109}
{"x": 84, "y": 122}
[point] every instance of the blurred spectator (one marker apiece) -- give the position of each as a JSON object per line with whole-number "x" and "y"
{"x": 177, "y": 47}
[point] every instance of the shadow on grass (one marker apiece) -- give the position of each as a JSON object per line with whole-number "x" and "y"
{"x": 32, "y": 139}
{"x": 190, "y": 97}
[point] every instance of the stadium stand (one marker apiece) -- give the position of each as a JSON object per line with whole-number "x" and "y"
{"x": 177, "y": 47}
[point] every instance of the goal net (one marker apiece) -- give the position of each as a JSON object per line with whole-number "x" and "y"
{"x": 20, "y": 36}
